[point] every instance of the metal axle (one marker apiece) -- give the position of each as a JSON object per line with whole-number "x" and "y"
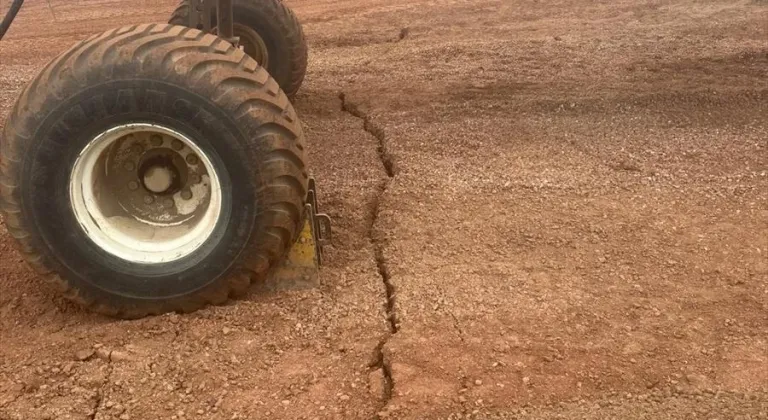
{"x": 202, "y": 14}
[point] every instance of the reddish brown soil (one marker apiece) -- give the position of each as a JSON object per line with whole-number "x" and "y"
{"x": 554, "y": 209}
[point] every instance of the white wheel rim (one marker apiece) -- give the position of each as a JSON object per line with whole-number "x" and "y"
{"x": 145, "y": 193}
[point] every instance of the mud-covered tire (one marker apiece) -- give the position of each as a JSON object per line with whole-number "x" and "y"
{"x": 280, "y": 30}
{"x": 189, "y": 81}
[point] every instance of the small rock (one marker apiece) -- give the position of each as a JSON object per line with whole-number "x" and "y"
{"x": 478, "y": 382}
{"x": 67, "y": 369}
{"x": 125, "y": 417}
{"x": 696, "y": 379}
{"x": 33, "y": 384}
{"x": 526, "y": 380}
{"x": 226, "y": 330}
{"x": 119, "y": 356}
{"x": 344, "y": 397}
{"x": 376, "y": 383}
{"x": 84, "y": 355}
{"x": 103, "y": 353}
{"x": 286, "y": 402}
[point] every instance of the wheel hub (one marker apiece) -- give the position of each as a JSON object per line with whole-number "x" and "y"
{"x": 252, "y": 44}
{"x": 145, "y": 193}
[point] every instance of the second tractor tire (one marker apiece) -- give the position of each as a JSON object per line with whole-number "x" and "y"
{"x": 268, "y": 25}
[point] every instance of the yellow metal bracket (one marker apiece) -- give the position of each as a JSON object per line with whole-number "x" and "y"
{"x": 300, "y": 268}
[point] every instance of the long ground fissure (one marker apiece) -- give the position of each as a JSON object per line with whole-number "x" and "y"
{"x": 387, "y": 163}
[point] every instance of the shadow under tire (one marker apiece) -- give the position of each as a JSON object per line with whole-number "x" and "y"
{"x": 280, "y": 34}
{"x": 234, "y": 121}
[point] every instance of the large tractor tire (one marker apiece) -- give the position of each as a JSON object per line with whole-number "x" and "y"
{"x": 270, "y": 33}
{"x": 152, "y": 168}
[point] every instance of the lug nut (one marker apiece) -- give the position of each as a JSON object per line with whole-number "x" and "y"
{"x": 195, "y": 178}
{"x": 133, "y": 185}
{"x": 168, "y": 203}
{"x": 148, "y": 199}
{"x": 186, "y": 194}
{"x": 129, "y": 166}
{"x": 192, "y": 159}
{"x": 156, "y": 140}
{"x": 177, "y": 144}
{"x": 137, "y": 148}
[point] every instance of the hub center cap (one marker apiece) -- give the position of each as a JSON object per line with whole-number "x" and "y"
{"x": 158, "y": 179}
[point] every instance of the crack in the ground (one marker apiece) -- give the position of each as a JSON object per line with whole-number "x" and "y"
{"x": 96, "y": 405}
{"x": 10, "y": 401}
{"x": 445, "y": 307}
{"x": 375, "y": 130}
{"x": 378, "y": 247}
{"x": 100, "y": 392}
{"x": 456, "y": 324}
{"x": 381, "y": 263}
{"x": 386, "y": 369}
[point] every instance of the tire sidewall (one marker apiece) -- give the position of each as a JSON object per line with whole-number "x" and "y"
{"x": 64, "y": 132}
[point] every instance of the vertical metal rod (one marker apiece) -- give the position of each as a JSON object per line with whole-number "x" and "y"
{"x": 200, "y": 14}
{"x": 9, "y": 16}
{"x": 225, "y": 18}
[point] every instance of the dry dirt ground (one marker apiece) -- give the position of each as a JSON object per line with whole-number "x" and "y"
{"x": 544, "y": 209}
